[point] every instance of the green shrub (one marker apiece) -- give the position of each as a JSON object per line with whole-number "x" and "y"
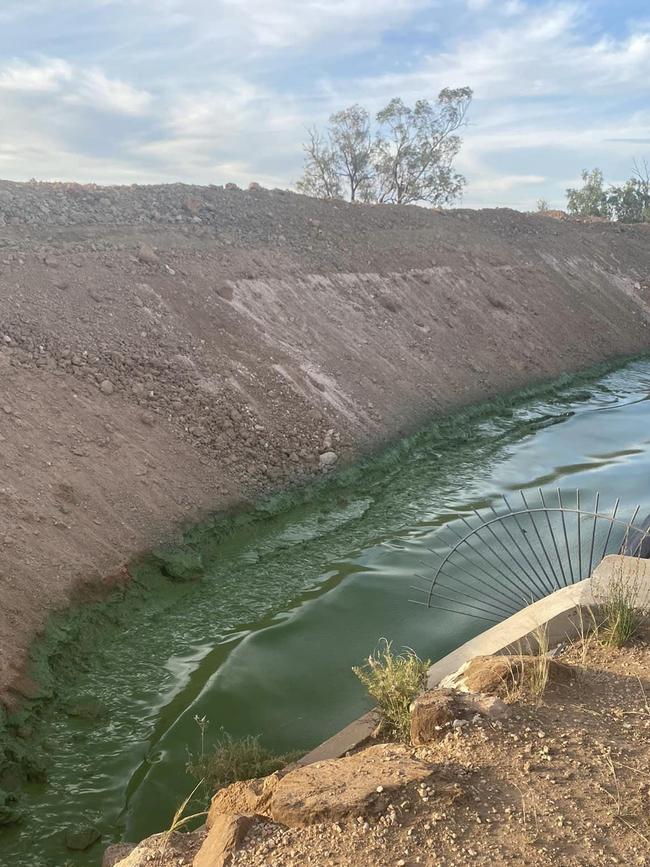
{"x": 394, "y": 680}
{"x": 233, "y": 759}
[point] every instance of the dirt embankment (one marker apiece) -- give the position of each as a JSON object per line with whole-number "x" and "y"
{"x": 167, "y": 351}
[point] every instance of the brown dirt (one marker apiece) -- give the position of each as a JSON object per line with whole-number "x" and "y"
{"x": 169, "y": 351}
{"x": 565, "y": 782}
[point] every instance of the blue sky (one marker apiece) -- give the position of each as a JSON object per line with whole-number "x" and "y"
{"x": 210, "y": 91}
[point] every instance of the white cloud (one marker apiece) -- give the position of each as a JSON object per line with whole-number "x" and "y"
{"x": 95, "y": 89}
{"x": 217, "y": 112}
{"x": 281, "y": 23}
{"x": 38, "y": 78}
{"x": 76, "y": 86}
{"x": 534, "y": 54}
{"x": 504, "y": 183}
{"x": 275, "y": 24}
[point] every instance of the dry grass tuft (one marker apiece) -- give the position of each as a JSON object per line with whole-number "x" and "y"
{"x": 537, "y": 679}
{"x": 179, "y": 820}
{"x": 624, "y": 610}
{"x": 530, "y": 668}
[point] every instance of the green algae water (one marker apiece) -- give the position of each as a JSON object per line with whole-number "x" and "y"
{"x": 296, "y": 592}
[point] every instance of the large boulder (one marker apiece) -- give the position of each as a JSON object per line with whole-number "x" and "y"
{"x": 496, "y": 675}
{"x": 81, "y": 837}
{"x": 431, "y": 713}
{"x": 334, "y": 789}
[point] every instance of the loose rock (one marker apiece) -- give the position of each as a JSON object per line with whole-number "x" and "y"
{"x": 328, "y": 459}
{"x": 224, "y": 837}
{"x": 147, "y": 255}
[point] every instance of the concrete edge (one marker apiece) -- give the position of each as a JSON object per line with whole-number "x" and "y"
{"x": 565, "y": 614}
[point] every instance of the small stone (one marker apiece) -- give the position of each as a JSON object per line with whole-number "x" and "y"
{"x": 328, "y": 459}
{"x": 107, "y": 387}
{"x": 81, "y": 838}
{"x": 147, "y": 255}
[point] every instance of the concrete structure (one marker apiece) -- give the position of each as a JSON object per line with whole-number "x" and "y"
{"x": 565, "y": 615}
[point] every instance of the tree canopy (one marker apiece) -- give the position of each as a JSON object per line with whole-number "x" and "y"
{"x": 591, "y": 199}
{"x": 628, "y": 202}
{"x": 403, "y": 156}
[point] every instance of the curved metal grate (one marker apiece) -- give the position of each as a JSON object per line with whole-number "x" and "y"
{"x": 504, "y": 560}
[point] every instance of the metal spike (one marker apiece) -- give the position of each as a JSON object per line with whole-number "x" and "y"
{"x": 517, "y": 568}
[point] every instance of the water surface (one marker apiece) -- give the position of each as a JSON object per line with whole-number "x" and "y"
{"x": 295, "y": 597}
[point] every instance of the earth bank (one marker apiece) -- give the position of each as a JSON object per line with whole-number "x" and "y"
{"x": 168, "y": 352}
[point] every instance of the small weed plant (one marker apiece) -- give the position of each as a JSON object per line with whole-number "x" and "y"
{"x": 394, "y": 680}
{"x": 231, "y": 759}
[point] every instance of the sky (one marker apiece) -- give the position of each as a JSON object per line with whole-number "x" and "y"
{"x": 212, "y": 91}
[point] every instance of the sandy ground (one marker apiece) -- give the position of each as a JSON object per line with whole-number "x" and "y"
{"x": 169, "y": 351}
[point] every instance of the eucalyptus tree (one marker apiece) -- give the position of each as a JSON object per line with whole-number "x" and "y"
{"x": 339, "y": 161}
{"x": 415, "y": 149}
{"x": 591, "y": 199}
{"x": 406, "y": 156}
{"x": 631, "y": 201}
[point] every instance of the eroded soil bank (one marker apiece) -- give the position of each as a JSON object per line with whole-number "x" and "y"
{"x": 168, "y": 351}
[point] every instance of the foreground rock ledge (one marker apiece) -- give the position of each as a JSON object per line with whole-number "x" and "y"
{"x": 324, "y": 791}
{"x": 327, "y": 791}
{"x": 332, "y": 790}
